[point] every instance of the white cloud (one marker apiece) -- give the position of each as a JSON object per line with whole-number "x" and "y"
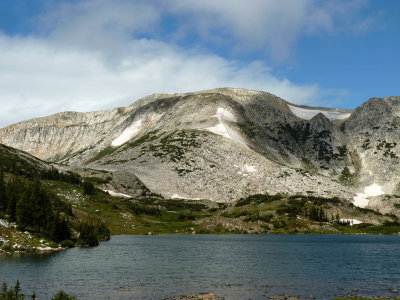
{"x": 38, "y": 77}
{"x": 271, "y": 25}
{"x": 92, "y": 55}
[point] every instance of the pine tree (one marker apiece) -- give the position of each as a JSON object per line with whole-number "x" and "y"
{"x": 3, "y": 196}
{"x": 88, "y": 188}
{"x": 4, "y": 288}
{"x": 14, "y": 191}
{"x": 23, "y": 211}
{"x": 60, "y": 230}
{"x": 17, "y": 291}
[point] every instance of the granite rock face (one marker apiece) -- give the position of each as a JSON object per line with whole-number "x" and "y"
{"x": 223, "y": 144}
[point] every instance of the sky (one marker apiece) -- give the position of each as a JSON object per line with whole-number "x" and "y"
{"x": 85, "y": 55}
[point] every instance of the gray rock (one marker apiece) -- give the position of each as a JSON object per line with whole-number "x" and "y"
{"x": 223, "y": 144}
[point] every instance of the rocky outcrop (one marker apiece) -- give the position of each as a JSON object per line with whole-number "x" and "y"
{"x": 223, "y": 144}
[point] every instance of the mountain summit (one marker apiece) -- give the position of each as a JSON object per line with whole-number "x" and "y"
{"x": 226, "y": 143}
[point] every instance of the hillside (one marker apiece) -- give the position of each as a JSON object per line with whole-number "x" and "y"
{"x": 48, "y": 209}
{"x": 226, "y": 144}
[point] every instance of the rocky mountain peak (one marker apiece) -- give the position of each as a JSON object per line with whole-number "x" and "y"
{"x": 225, "y": 143}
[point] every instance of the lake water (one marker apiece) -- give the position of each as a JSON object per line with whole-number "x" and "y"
{"x": 233, "y": 266}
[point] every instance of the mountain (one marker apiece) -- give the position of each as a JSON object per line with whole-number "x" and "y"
{"x": 224, "y": 144}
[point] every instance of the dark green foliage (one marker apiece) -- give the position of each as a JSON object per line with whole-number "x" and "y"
{"x": 257, "y": 217}
{"x": 293, "y": 208}
{"x": 148, "y": 137}
{"x": 342, "y": 151}
{"x": 11, "y": 162}
{"x": 34, "y": 207}
{"x": 103, "y": 232}
{"x": 249, "y": 128}
{"x": 176, "y": 204}
{"x": 139, "y": 209}
{"x": 366, "y": 210}
{"x": 87, "y": 235}
{"x": 61, "y": 230}
{"x": 88, "y": 188}
{"x": 279, "y": 224}
{"x": 67, "y": 244}
{"x": 55, "y": 174}
{"x": 174, "y": 145}
{"x": 186, "y": 215}
{"x": 97, "y": 180}
{"x": 237, "y": 214}
{"x": 3, "y": 196}
{"x": 258, "y": 199}
{"x": 101, "y": 154}
{"x": 387, "y": 147}
{"x": 346, "y": 177}
{"x": 91, "y": 233}
{"x": 15, "y": 293}
{"x": 61, "y": 295}
{"x": 317, "y": 214}
{"x": 397, "y": 205}
{"x": 12, "y": 293}
{"x": 299, "y": 131}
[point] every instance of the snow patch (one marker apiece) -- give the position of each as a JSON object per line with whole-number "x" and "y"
{"x": 4, "y": 223}
{"x": 308, "y": 114}
{"x": 223, "y": 114}
{"x": 115, "y": 194}
{"x": 351, "y": 221}
{"x": 129, "y": 132}
{"x": 222, "y": 129}
{"x": 361, "y": 199}
{"x": 176, "y": 196}
{"x": 250, "y": 169}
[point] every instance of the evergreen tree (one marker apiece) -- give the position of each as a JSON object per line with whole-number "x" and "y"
{"x": 88, "y": 235}
{"x": 3, "y": 196}
{"x": 60, "y": 230}
{"x": 88, "y": 188}
{"x": 15, "y": 188}
{"x": 23, "y": 211}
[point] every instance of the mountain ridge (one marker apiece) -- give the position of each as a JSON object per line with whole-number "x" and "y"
{"x": 225, "y": 143}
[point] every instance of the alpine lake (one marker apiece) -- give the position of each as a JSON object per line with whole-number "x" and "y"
{"x": 230, "y": 266}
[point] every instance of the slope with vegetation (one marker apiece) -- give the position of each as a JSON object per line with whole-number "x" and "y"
{"x": 44, "y": 208}
{"x": 33, "y": 217}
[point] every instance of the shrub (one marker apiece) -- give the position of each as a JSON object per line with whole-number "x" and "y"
{"x": 88, "y": 188}
{"x": 61, "y": 295}
{"x": 88, "y": 235}
{"x": 67, "y": 244}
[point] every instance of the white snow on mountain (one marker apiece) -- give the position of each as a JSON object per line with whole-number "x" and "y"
{"x": 361, "y": 199}
{"x": 224, "y": 130}
{"x": 128, "y": 133}
{"x": 308, "y": 114}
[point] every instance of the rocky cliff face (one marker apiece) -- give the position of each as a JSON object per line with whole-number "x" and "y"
{"x": 223, "y": 144}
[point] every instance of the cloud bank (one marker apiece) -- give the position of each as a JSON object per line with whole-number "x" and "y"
{"x": 97, "y": 54}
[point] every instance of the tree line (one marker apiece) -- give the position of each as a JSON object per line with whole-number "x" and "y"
{"x": 34, "y": 207}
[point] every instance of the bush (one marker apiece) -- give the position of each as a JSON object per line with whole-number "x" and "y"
{"x": 67, "y": 244}
{"x": 103, "y": 232}
{"x": 53, "y": 245}
{"x": 88, "y": 235}
{"x": 61, "y": 295}
{"x": 12, "y": 293}
{"x": 88, "y": 188}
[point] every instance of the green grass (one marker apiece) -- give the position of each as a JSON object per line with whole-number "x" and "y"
{"x": 106, "y": 151}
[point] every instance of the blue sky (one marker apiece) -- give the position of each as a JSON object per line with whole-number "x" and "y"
{"x": 87, "y": 55}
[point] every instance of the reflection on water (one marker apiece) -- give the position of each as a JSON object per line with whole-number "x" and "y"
{"x": 233, "y": 266}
